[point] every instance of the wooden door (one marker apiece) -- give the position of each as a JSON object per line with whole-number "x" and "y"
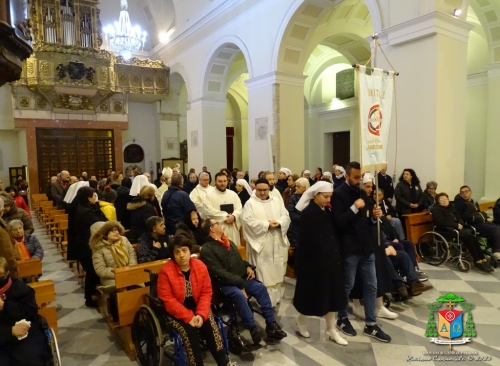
{"x": 341, "y": 148}
{"x": 75, "y": 150}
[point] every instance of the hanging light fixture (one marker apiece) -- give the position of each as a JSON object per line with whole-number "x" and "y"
{"x": 122, "y": 37}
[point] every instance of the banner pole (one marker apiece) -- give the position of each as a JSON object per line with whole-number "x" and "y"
{"x": 374, "y": 58}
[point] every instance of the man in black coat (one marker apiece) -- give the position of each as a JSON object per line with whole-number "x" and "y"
{"x": 469, "y": 211}
{"x": 236, "y": 278}
{"x": 353, "y": 221}
{"x": 385, "y": 182}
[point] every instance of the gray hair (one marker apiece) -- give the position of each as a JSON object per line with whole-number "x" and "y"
{"x": 431, "y": 184}
{"x": 177, "y": 180}
{"x": 14, "y": 223}
{"x": 203, "y": 174}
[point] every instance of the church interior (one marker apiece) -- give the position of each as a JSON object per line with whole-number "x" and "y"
{"x": 254, "y": 86}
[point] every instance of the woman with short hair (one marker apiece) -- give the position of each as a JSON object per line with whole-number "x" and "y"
{"x": 287, "y": 193}
{"x": 428, "y": 198}
{"x": 18, "y": 200}
{"x": 27, "y": 245}
{"x": 185, "y": 289}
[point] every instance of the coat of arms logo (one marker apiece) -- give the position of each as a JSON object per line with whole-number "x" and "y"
{"x": 450, "y": 323}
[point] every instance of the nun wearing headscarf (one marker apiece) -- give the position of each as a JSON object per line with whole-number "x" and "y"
{"x": 339, "y": 176}
{"x": 244, "y": 191}
{"x": 71, "y": 208}
{"x": 282, "y": 182}
{"x": 320, "y": 287}
{"x": 142, "y": 181}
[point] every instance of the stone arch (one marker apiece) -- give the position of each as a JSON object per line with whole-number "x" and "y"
{"x": 218, "y": 63}
{"x": 301, "y": 22}
{"x": 147, "y": 154}
{"x": 179, "y": 69}
{"x": 488, "y": 14}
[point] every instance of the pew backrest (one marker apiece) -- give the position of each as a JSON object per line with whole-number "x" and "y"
{"x": 29, "y": 268}
{"x": 417, "y": 224}
{"x": 44, "y": 294}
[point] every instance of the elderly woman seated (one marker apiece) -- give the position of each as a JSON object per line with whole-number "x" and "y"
{"x": 26, "y": 245}
{"x": 21, "y": 343}
{"x": 185, "y": 289}
{"x": 110, "y": 250}
{"x": 428, "y": 198}
{"x": 444, "y": 215}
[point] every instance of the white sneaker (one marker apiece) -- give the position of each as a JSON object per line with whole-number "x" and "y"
{"x": 383, "y": 312}
{"x": 333, "y": 335}
{"x": 359, "y": 311}
{"x": 497, "y": 256}
{"x": 302, "y": 328}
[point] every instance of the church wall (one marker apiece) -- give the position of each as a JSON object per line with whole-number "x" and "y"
{"x": 475, "y": 143}
{"x": 11, "y": 154}
{"x": 6, "y": 111}
{"x": 143, "y": 121}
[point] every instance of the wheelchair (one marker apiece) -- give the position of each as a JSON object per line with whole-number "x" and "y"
{"x": 435, "y": 249}
{"x": 152, "y": 336}
{"x": 52, "y": 349}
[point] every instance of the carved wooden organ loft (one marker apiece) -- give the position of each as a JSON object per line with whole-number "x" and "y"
{"x": 68, "y": 71}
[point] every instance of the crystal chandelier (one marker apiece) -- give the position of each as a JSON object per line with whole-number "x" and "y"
{"x": 122, "y": 37}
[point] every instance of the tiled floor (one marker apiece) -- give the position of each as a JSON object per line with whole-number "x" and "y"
{"x": 84, "y": 339}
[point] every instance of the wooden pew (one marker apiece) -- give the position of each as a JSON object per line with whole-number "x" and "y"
{"x": 416, "y": 225}
{"x": 30, "y": 268}
{"x": 486, "y": 206}
{"x": 129, "y": 298}
{"x": 44, "y": 294}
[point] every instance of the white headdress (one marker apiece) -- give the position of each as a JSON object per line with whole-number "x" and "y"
{"x": 73, "y": 190}
{"x": 139, "y": 182}
{"x": 328, "y": 175}
{"x": 287, "y": 171}
{"x": 318, "y": 187}
{"x": 167, "y": 172}
{"x": 245, "y": 184}
{"x": 368, "y": 177}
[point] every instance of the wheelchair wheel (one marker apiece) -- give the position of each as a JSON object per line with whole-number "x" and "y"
{"x": 463, "y": 266}
{"x": 234, "y": 341}
{"x": 433, "y": 248}
{"x": 54, "y": 349}
{"x": 147, "y": 337}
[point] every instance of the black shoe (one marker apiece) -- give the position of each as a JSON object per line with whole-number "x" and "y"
{"x": 484, "y": 267}
{"x": 91, "y": 304}
{"x": 256, "y": 335}
{"x": 344, "y": 325}
{"x": 274, "y": 330}
{"x": 374, "y": 331}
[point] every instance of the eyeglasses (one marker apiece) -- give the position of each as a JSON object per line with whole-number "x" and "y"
{"x": 465, "y": 192}
{"x": 215, "y": 223}
{"x": 443, "y": 199}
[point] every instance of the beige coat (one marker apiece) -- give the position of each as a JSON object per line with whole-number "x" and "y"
{"x": 103, "y": 259}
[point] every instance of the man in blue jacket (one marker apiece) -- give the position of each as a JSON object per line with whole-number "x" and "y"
{"x": 175, "y": 204}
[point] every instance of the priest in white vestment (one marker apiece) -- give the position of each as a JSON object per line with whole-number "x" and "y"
{"x": 166, "y": 174}
{"x": 224, "y": 206}
{"x": 265, "y": 223}
{"x": 199, "y": 194}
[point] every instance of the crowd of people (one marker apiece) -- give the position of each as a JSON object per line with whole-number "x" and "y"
{"x": 324, "y": 226}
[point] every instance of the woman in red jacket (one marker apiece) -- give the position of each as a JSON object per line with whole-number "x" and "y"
{"x": 186, "y": 291}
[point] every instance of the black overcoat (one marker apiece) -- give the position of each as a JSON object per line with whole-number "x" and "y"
{"x": 320, "y": 285}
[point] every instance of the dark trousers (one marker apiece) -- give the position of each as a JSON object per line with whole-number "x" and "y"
{"x": 472, "y": 244}
{"x": 492, "y": 232}
{"x": 257, "y": 290}
{"x": 407, "y": 247}
{"x": 30, "y": 351}
{"x": 91, "y": 278}
{"x": 402, "y": 263}
{"x": 190, "y": 336}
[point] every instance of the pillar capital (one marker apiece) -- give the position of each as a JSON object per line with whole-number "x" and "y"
{"x": 276, "y": 77}
{"x": 424, "y": 26}
{"x": 207, "y": 102}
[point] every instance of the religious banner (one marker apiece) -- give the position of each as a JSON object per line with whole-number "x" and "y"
{"x": 375, "y": 108}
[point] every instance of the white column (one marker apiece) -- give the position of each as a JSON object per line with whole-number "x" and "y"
{"x": 206, "y": 134}
{"x": 492, "y": 171}
{"x": 430, "y": 53}
{"x": 276, "y": 100}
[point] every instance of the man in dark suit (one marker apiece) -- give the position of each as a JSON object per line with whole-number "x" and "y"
{"x": 385, "y": 182}
{"x": 353, "y": 221}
